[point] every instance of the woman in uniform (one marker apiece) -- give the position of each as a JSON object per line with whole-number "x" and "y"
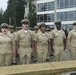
{"x": 7, "y": 49}
{"x": 41, "y": 42}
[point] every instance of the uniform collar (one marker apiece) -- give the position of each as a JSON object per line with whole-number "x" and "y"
{"x": 58, "y": 30}
{"x": 25, "y": 31}
{"x": 3, "y": 34}
{"x": 43, "y": 33}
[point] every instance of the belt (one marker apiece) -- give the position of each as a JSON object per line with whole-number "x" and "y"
{"x": 58, "y": 45}
{"x": 42, "y": 45}
{"x": 25, "y": 46}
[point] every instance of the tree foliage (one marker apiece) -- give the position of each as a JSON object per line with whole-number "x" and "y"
{"x": 32, "y": 15}
{"x": 15, "y": 11}
{"x": 1, "y": 15}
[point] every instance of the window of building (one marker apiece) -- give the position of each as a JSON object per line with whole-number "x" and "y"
{"x": 52, "y": 5}
{"x": 74, "y": 3}
{"x": 67, "y": 16}
{"x": 71, "y": 16}
{"x": 41, "y": 18}
{"x": 45, "y": 7}
{"x": 71, "y": 3}
{"x": 61, "y": 4}
{"x": 66, "y": 4}
{"x": 48, "y": 6}
{"x": 68, "y": 26}
{"x": 40, "y": 7}
{"x": 46, "y": 18}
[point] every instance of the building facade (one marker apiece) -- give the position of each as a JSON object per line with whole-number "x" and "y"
{"x": 50, "y": 10}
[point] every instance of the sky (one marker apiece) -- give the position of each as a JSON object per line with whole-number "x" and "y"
{"x": 3, "y": 4}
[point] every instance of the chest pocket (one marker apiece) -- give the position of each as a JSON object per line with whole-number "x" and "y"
{"x": 25, "y": 36}
{"x": 59, "y": 35}
{"x": 29, "y": 37}
{"x": 74, "y": 35}
{"x": 56, "y": 35}
{"x": 42, "y": 38}
{"x": 5, "y": 40}
{"x": 9, "y": 39}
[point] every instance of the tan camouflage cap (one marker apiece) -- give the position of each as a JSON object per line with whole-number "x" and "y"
{"x": 47, "y": 29}
{"x": 36, "y": 28}
{"x": 42, "y": 24}
{"x": 11, "y": 27}
{"x": 25, "y": 21}
{"x": 4, "y": 25}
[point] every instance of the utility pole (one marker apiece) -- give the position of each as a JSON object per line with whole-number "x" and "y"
{"x": 55, "y": 13}
{"x": 15, "y": 18}
{"x": 26, "y": 8}
{"x": 15, "y": 23}
{"x": 55, "y": 8}
{"x": 9, "y": 20}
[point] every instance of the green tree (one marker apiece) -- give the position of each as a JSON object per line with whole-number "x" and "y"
{"x": 15, "y": 11}
{"x": 20, "y": 10}
{"x": 1, "y": 16}
{"x": 32, "y": 15}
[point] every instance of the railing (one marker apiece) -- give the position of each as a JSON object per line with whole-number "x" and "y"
{"x": 52, "y": 68}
